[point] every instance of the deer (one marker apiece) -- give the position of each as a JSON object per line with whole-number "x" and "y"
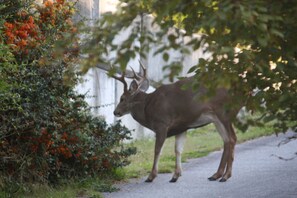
{"x": 171, "y": 110}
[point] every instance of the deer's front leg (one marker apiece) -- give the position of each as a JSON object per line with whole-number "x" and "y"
{"x": 160, "y": 139}
{"x": 179, "y": 145}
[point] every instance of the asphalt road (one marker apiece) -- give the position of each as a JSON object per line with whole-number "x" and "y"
{"x": 257, "y": 172}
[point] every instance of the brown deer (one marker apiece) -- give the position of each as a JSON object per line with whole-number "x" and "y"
{"x": 171, "y": 110}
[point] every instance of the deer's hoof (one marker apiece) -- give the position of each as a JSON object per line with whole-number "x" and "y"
{"x": 173, "y": 180}
{"x": 223, "y": 180}
{"x": 148, "y": 180}
{"x": 212, "y": 179}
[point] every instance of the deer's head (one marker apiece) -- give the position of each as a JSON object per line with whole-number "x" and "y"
{"x": 140, "y": 83}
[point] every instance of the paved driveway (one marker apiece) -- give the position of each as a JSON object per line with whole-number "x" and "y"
{"x": 257, "y": 172}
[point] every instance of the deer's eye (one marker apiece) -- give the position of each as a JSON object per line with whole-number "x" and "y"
{"x": 122, "y": 99}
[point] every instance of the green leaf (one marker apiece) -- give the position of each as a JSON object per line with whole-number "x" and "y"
{"x": 161, "y": 49}
{"x": 262, "y": 27}
{"x": 268, "y": 118}
{"x": 165, "y": 56}
{"x": 277, "y": 33}
{"x": 263, "y": 41}
{"x": 192, "y": 69}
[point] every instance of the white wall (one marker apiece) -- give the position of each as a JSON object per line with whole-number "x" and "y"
{"x": 104, "y": 92}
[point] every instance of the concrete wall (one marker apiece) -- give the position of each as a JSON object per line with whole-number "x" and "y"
{"x": 103, "y": 93}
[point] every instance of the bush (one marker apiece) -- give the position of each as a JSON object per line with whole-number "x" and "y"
{"x": 47, "y": 131}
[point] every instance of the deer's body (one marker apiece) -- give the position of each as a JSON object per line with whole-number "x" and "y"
{"x": 171, "y": 110}
{"x": 154, "y": 109}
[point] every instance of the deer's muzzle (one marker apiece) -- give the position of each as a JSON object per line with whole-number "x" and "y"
{"x": 117, "y": 113}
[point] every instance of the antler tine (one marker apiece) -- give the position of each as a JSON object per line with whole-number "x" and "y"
{"x": 143, "y": 68}
{"x": 135, "y": 75}
{"x": 121, "y": 79}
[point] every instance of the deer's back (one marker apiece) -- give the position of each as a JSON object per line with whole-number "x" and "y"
{"x": 180, "y": 109}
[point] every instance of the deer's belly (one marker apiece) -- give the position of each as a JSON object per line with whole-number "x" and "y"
{"x": 203, "y": 120}
{"x": 181, "y": 127}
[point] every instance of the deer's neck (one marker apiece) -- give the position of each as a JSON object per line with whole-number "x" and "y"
{"x": 138, "y": 108}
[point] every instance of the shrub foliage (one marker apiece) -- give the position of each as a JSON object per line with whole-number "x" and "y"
{"x": 251, "y": 46}
{"x": 47, "y": 131}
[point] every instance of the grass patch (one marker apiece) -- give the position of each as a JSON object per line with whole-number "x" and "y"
{"x": 199, "y": 143}
{"x": 87, "y": 188}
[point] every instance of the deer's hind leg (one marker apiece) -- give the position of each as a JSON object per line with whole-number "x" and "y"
{"x": 179, "y": 145}
{"x": 226, "y": 131}
{"x": 232, "y": 142}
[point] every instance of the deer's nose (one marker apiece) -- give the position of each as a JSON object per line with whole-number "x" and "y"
{"x": 117, "y": 113}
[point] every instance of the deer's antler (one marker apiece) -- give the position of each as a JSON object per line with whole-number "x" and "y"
{"x": 121, "y": 79}
{"x": 135, "y": 75}
{"x": 143, "y": 68}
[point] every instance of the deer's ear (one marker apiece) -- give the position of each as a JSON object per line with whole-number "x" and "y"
{"x": 144, "y": 85}
{"x": 133, "y": 86}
